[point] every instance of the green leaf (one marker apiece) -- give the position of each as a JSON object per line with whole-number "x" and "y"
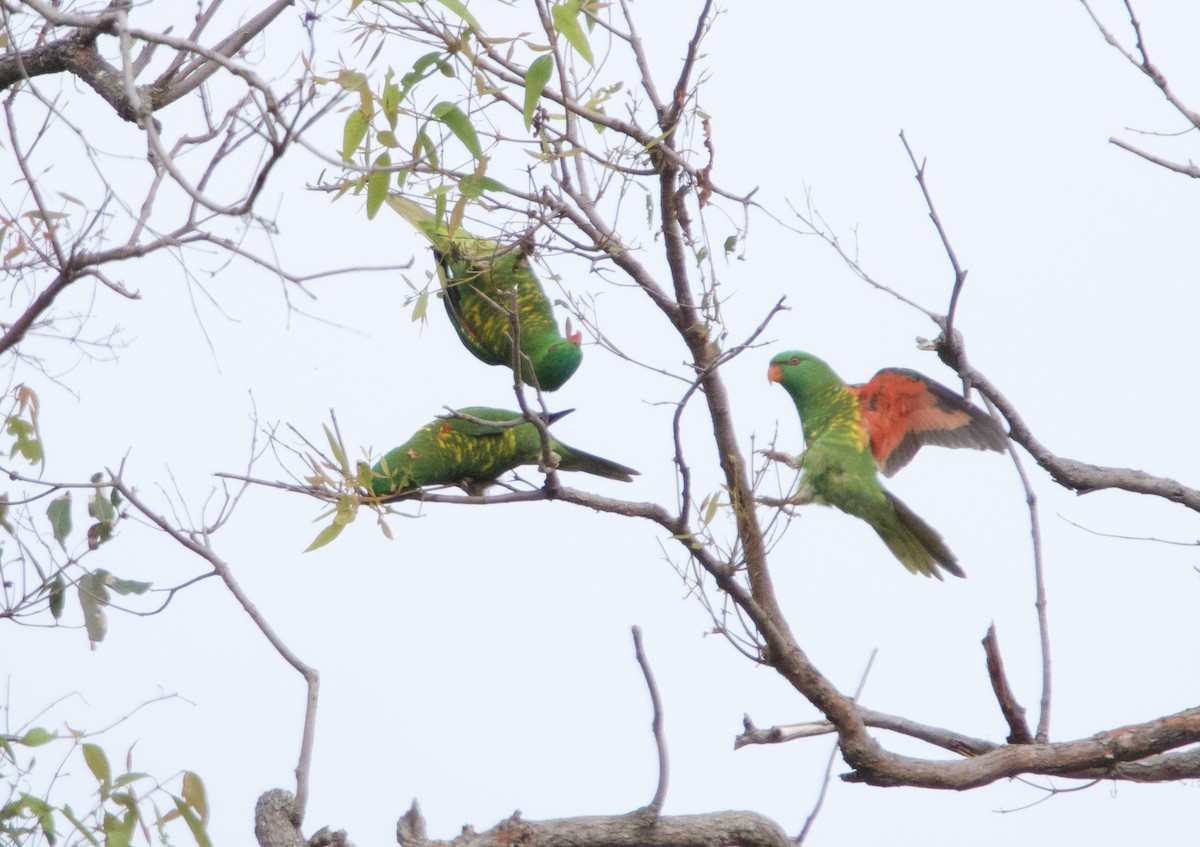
{"x": 351, "y": 80}
{"x": 36, "y": 737}
{"x": 421, "y": 307}
{"x": 194, "y": 823}
{"x": 714, "y": 502}
{"x": 126, "y": 587}
{"x": 347, "y": 510}
{"x": 100, "y": 508}
{"x": 377, "y": 184}
{"x": 391, "y": 101}
{"x": 36, "y": 806}
{"x": 566, "y": 22}
{"x": 474, "y": 186}
{"x": 126, "y": 778}
{"x": 535, "y": 82}
{"x": 353, "y": 133}
{"x": 338, "y": 454}
{"x": 59, "y": 513}
{"x": 422, "y": 68}
{"x": 79, "y": 826}
{"x": 366, "y": 476}
{"x": 27, "y": 442}
{"x": 459, "y": 9}
{"x": 93, "y": 597}
{"x": 118, "y": 832}
{"x": 325, "y": 536}
{"x": 58, "y": 596}
{"x": 423, "y": 142}
{"x": 98, "y": 533}
{"x": 97, "y": 763}
{"x": 195, "y": 795}
{"x": 460, "y": 125}
{"x": 730, "y": 244}
{"x": 601, "y": 96}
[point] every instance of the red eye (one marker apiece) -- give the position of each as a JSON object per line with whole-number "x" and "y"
{"x": 795, "y": 360}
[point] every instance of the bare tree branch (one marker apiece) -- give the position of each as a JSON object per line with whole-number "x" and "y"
{"x": 639, "y": 829}
{"x": 1014, "y": 712}
{"x": 198, "y": 543}
{"x": 660, "y": 741}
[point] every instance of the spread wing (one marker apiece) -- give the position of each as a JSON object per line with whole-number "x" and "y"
{"x": 903, "y": 411}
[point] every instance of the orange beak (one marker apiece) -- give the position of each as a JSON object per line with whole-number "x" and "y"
{"x": 775, "y": 373}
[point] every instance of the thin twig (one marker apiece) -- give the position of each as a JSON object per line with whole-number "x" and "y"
{"x": 812, "y": 816}
{"x": 960, "y": 275}
{"x": 1039, "y": 578}
{"x": 200, "y": 546}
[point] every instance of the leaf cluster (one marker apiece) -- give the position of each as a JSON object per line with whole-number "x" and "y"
{"x": 122, "y": 805}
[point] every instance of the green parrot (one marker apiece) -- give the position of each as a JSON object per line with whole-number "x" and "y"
{"x": 453, "y": 451}
{"x": 839, "y": 463}
{"x": 480, "y": 278}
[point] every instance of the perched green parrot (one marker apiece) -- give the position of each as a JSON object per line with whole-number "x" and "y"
{"x": 480, "y": 279}
{"x": 848, "y": 430}
{"x": 453, "y": 451}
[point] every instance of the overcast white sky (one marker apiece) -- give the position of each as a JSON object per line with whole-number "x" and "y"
{"x": 482, "y": 662}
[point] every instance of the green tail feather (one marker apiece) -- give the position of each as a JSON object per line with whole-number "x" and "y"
{"x": 916, "y": 544}
{"x": 570, "y": 459}
{"x": 423, "y": 221}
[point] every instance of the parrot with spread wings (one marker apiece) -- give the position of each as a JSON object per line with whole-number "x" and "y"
{"x": 853, "y": 431}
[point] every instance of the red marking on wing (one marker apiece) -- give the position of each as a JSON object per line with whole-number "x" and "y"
{"x": 903, "y": 410}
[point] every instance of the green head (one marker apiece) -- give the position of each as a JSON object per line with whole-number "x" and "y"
{"x": 802, "y": 373}
{"x": 808, "y": 380}
{"x": 555, "y": 362}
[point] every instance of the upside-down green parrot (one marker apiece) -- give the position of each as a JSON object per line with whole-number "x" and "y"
{"x": 480, "y": 280}
{"x": 454, "y": 451}
{"x": 849, "y": 429}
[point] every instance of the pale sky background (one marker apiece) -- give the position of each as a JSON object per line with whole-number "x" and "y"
{"x": 481, "y": 661}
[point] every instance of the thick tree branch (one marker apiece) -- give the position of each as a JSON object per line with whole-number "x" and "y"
{"x": 78, "y": 55}
{"x": 640, "y": 829}
{"x": 1001, "y": 761}
{"x": 68, "y": 54}
{"x": 1014, "y": 712}
{"x": 1078, "y": 476}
